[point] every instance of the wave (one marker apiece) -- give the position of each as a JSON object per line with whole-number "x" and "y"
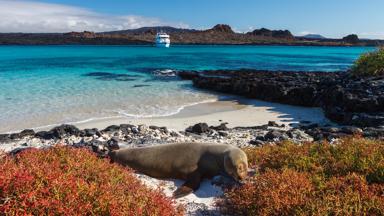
{"x": 171, "y": 113}
{"x": 121, "y": 114}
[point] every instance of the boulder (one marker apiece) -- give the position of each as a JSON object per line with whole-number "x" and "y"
{"x": 273, "y": 124}
{"x": 111, "y": 129}
{"x": 276, "y": 135}
{"x": 65, "y": 130}
{"x": 22, "y": 134}
{"x": 91, "y": 132}
{"x": 352, "y": 39}
{"x": 199, "y": 128}
{"x": 221, "y": 127}
{"x": 4, "y": 138}
{"x": 352, "y": 130}
{"x": 113, "y": 143}
{"x": 47, "y": 135}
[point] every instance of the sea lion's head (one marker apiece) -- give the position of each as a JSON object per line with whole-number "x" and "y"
{"x": 236, "y": 164}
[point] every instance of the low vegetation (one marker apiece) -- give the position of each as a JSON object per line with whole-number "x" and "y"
{"x": 370, "y": 64}
{"x": 69, "y": 181}
{"x": 312, "y": 179}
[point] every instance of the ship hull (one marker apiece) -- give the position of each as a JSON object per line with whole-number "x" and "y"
{"x": 164, "y": 45}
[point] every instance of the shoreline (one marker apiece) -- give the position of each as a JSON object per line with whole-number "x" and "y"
{"x": 237, "y": 112}
{"x": 234, "y": 110}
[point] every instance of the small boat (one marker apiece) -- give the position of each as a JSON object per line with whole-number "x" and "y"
{"x": 163, "y": 40}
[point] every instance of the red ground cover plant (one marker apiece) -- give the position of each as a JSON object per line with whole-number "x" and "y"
{"x": 68, "y": 181}
{"x": 312, "y": 179}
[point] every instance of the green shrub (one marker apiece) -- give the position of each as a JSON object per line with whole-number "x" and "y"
{"x": 68, "y": 181}
{"x": 370, "y": 64}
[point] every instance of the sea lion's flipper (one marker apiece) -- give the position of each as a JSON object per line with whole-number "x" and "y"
{"x": 192, "y": 184}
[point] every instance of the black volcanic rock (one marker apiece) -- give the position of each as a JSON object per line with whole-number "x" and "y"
{"x": 45, "y": 135}
{"x": 91, "y": 132}
{"x": 345, "y": 99}
{"x": 352, "y": 39}
{"x": 65, "y": 130}
{"x": 198, "y": 128}
{"x": 4, "y": 138}
{"x": 222, "y": 28}
{"x": 272, "y": 33}
{"x": 276, "y": 135}
{"x": 188, "y": 75}
{"x": 221, "y": 127}
{"x": 24, "y": 133}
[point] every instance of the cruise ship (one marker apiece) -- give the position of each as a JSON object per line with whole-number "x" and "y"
{"x": 163, "y": 40}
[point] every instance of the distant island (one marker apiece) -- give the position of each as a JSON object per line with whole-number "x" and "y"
{"x": 219, "y": 34}
{"x": 314, "y": 36}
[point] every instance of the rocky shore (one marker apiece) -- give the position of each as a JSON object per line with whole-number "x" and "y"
{"x": 125, "y": 135}
{"x": 345, "y": 99}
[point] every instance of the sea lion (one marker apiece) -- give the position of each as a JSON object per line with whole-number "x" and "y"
{"x": 188, "y": 161}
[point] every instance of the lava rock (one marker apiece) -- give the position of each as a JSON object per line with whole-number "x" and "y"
{"x": 4, "y": 138}
{"x": 223, "y": 133}
{"x": 273, "y": 124}
{"x": 199, "y": 128}
{"x": 296, "y": 134}
{"x": 221, "y": 127}
{"x": 126, "y": 128}
{"x": 47, "y": 135}
{"x": 22, "y": 134}
{"x": 113, "y": 143}
{"x": 135, "y": 130}
{"x": 345, "y": 99}
{"x": 256, "y": 142}
{"x": 91, "y": 132}
{"x": 65, "y": 130}
{"x": 111, "y": 129}
{"x": 275, "y": 135}
{"x": 351, "y": 130}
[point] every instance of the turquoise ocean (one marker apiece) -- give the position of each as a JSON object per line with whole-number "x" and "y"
{"x": 49, "y": 85}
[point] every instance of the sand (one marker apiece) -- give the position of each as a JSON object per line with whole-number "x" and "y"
{"x": 236, "y": 112}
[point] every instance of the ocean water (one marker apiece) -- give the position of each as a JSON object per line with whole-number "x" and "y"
{"x": 48, "y": 85}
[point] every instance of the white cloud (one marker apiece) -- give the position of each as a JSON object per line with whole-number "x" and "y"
{"x": 30, "y": 16}
{"x": 372, "y": 35}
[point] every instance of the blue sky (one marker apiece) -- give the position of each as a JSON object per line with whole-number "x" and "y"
{"x": 332, "y": 18}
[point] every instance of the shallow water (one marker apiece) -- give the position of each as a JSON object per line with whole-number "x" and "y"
{"x": 44, "y": 85}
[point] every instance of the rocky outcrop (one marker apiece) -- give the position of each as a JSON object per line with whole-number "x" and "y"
{"x": 355, "y": 101}
{"x": 272, "y": 33}
{"x": 126, "y": 135}
{"x": 351, "y": 39}
{"x": 222, "y": 28}
{"x": 345, "y": 99}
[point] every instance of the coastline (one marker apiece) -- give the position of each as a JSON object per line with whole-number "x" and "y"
{"x": 238, "y": 112}
{"x": 234, "y": 110}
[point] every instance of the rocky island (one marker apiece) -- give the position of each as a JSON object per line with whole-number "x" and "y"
{"x": 219, "y": 34}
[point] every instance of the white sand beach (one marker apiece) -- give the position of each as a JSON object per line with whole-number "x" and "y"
{"x": 237, "y": 113}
